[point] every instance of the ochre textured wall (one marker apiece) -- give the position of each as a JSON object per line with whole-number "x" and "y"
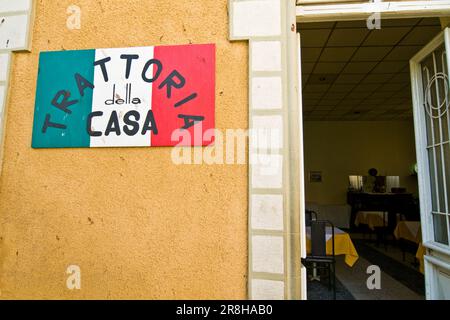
{"x": 136, "y": 224}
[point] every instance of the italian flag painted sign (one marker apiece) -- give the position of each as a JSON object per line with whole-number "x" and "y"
{"x": 125, "y": 97}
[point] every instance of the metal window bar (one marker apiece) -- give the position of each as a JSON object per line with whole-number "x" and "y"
{"x": 439, "y": 144}
{"x": 440, "y": 213}
{"x": 441, "y": 134}
{"x": 436, "y": 193}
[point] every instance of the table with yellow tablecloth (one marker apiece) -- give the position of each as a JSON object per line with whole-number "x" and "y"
{"x": 373, "y": 219}
{"x": 411, "y": 231}
{"x": 343, "y": 245}
{"x": 419, "y": 256}
{"x": 408, "y": 230}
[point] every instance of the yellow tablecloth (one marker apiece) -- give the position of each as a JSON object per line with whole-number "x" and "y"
{"x": 419, "y": 255}
{"x": 371, "y": 218}
{"x": 408, "y": 230}
{"x": 343, "y": 245}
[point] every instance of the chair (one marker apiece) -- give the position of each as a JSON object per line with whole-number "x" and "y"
{"x": 318, "y": 257}
{"x": 310, "y": 215}
{"x": 382, "y": 232}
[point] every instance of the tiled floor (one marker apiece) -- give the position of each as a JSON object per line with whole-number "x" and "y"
{"x": 355, "y": 278}
{"x": 396, "y": 253}
{"x": 392, "y": 251}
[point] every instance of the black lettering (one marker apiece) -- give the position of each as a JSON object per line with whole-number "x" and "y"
{"x": 185, "y": 100}
{"x": 158, "y": 71}
{"x": 170, "y": 82}
{"x": 48, "y": 124}
{"x": 133, "y": 123}
{"x": 189, "y": 121}
{"x": 149, "y": 123}
{"x": 136, "y": 101}
{"x": 110, "y": 102}
{"x": 102, "y": 64}
{"x": 65, "y": 103}
{"x": 82, "y": 83}
{"x": 129, "y": 58}
{"x": 89, "y": 124}
{"x": 113, "y": 124}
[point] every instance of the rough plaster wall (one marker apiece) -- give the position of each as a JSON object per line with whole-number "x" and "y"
{"x": 137, "y": 225}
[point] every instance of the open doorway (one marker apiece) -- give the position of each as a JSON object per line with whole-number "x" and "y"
{"x": 360, "y": 157}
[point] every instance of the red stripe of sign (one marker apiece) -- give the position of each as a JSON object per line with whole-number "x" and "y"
{"x": 196, "y": 64}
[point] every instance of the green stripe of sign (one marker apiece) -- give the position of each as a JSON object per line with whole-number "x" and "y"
{"x": 57, "y": 72}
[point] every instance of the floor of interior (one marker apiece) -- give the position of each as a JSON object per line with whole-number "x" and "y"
{"x": 400, "y": 279}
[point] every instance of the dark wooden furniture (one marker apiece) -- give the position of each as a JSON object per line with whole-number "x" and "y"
{"x": 392, "y": 203}
{"x": 310, "y": 216}
{"x": 318, "y": 259}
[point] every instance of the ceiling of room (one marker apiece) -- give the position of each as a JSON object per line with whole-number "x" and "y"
{"x": 352, "y": 73}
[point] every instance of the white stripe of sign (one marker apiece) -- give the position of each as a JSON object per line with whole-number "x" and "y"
{"x": 107, "y": 95}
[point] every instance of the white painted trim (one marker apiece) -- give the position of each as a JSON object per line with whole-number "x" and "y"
{"x": 361, "y": 11}
{"x": 437, "y": 262}
{"x": 436, "y": 246}
{"x": 430, "y": 47}
{"x": 303, "y": 289}
{"x": 309, "y": 2}
{"x": 422, "y": 158}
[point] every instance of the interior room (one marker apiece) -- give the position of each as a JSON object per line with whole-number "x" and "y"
{"x": 360, "y": 159}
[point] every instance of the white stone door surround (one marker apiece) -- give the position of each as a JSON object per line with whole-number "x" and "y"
{"x": 274, "y": 195}
{"x": 275, "y": 204}
{"x": 16, "y": 20}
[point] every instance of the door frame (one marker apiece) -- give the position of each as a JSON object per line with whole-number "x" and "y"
{"x": 389, "y": 10}
{"x": 419, "y": 121}
{"x": 361, "y": 11}
{"x": 437, "y": 253}
{"x": 265, "y": 23}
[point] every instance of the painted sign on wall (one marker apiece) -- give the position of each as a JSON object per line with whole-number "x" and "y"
{"x": 125, "y": 97}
